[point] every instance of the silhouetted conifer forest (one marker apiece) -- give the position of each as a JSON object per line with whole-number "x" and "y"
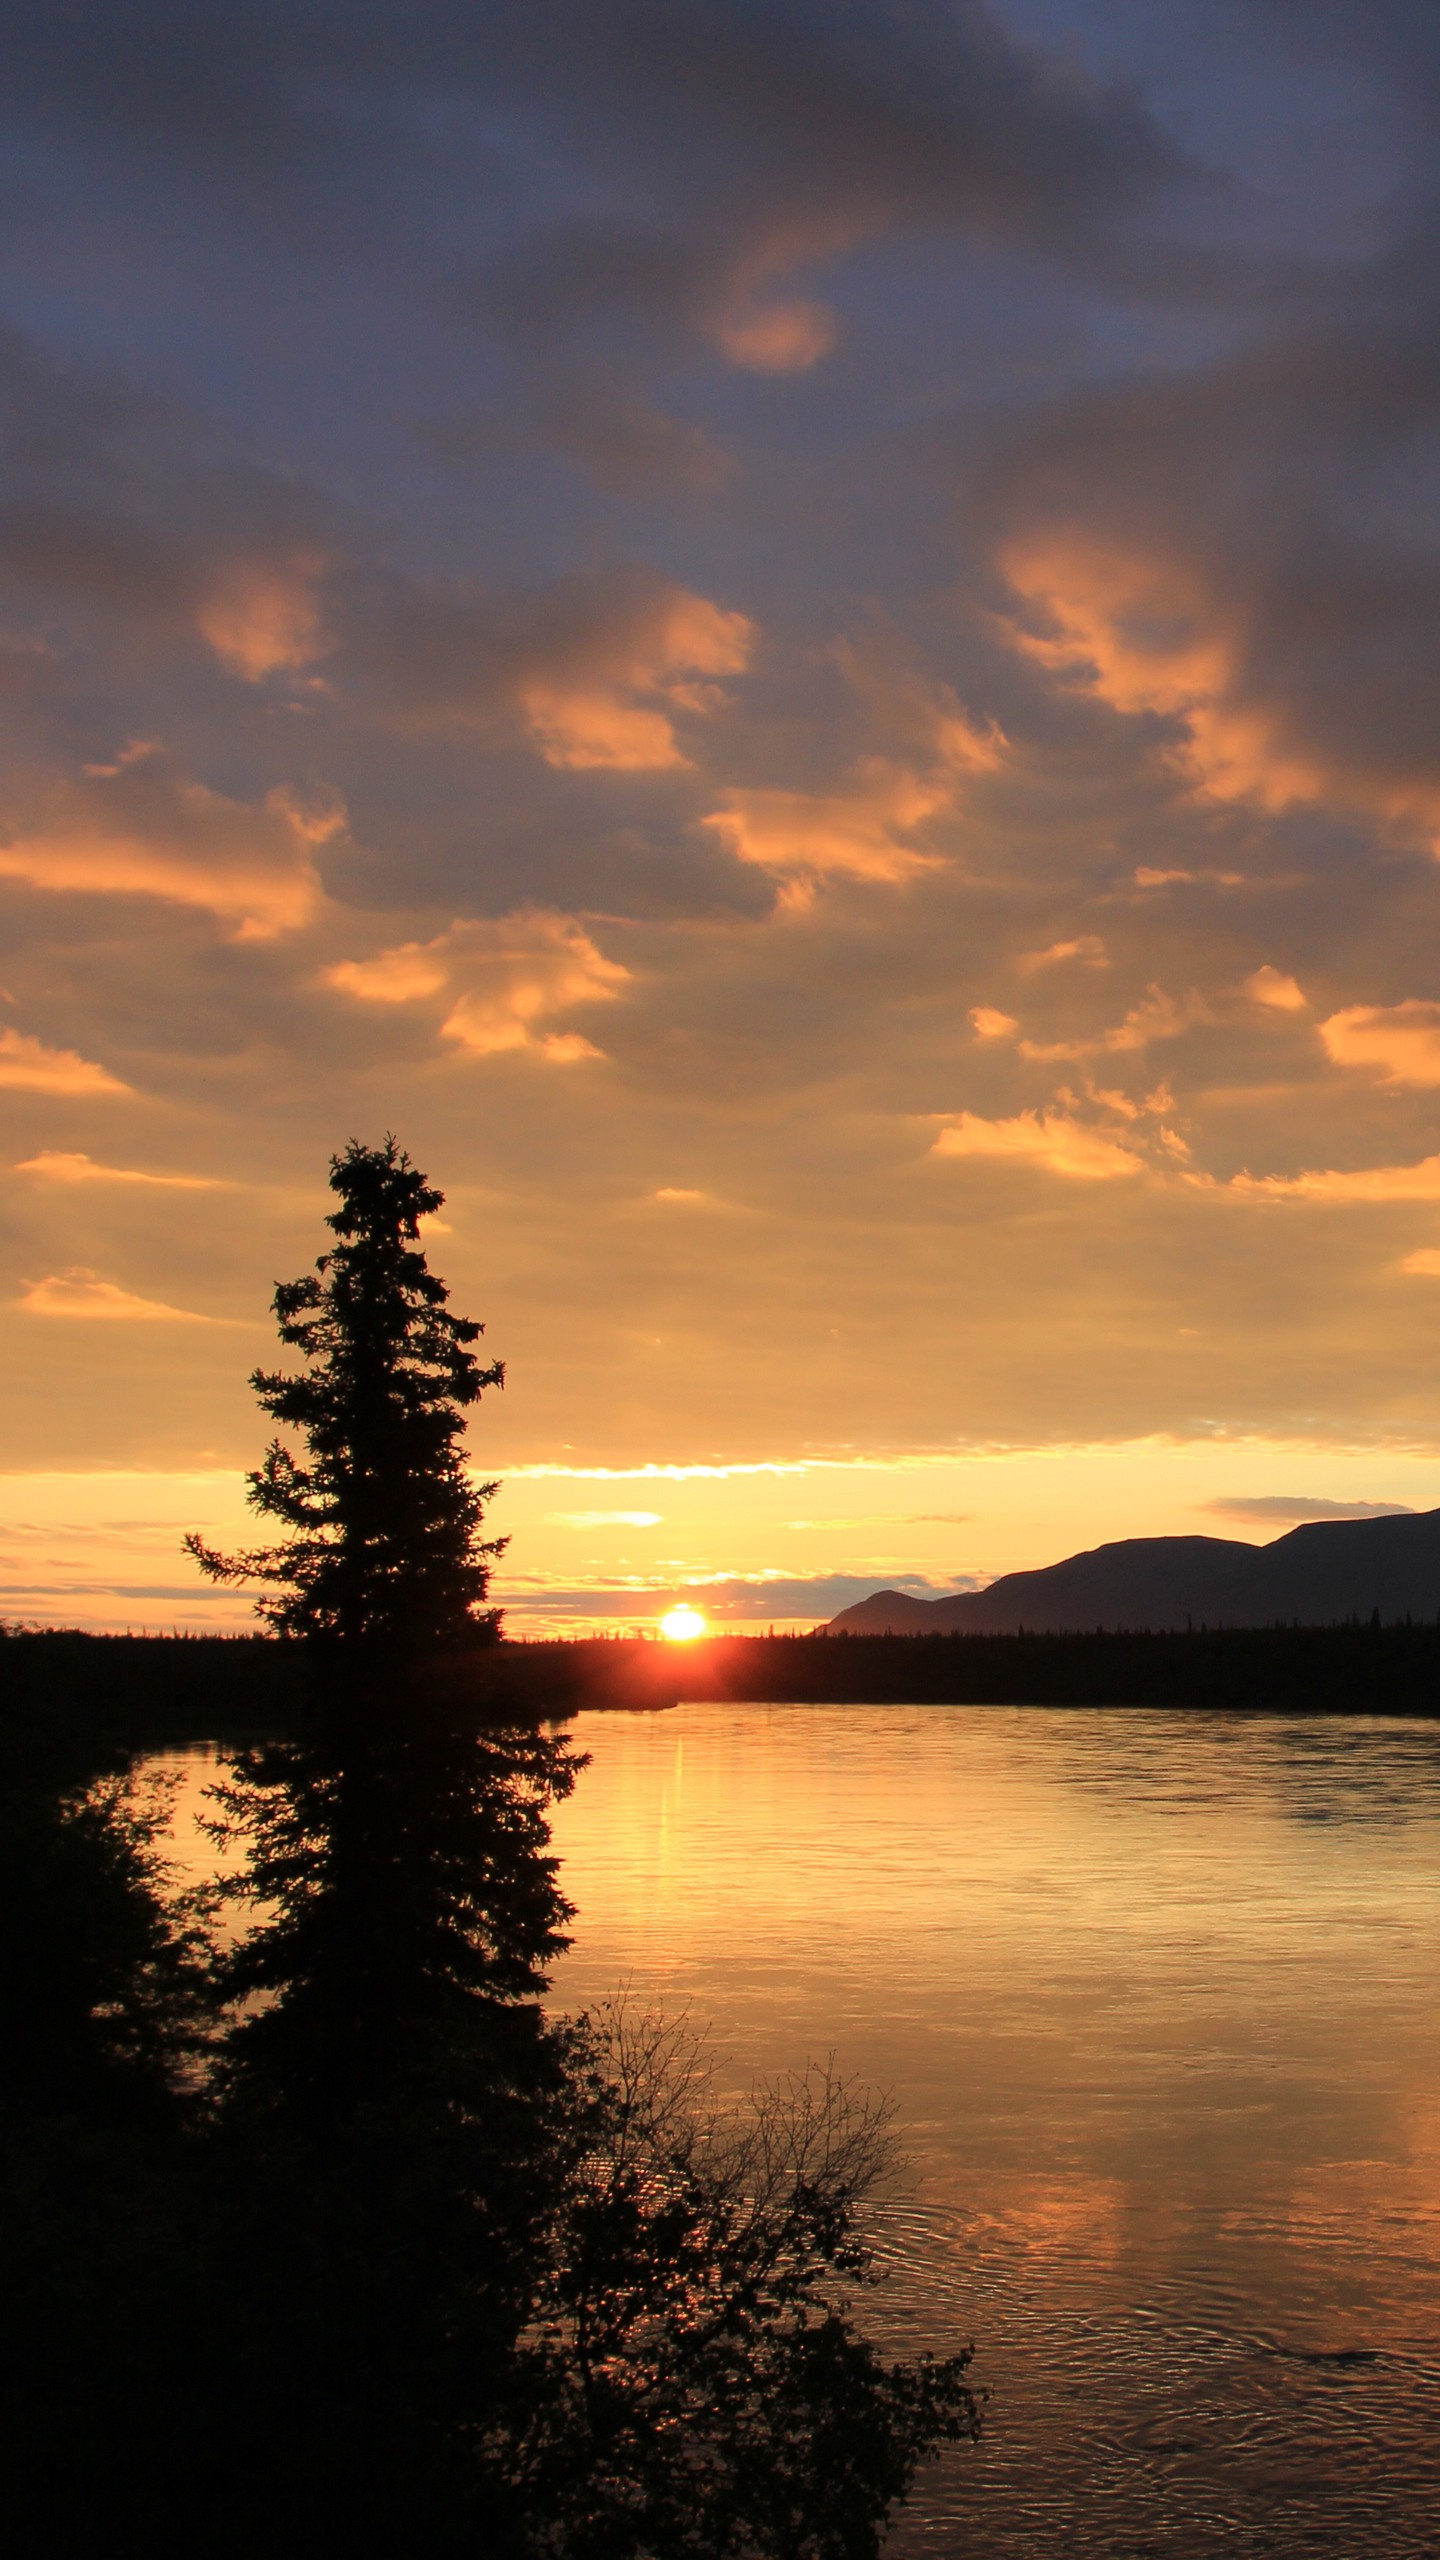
{"x": 135, "y": 1690}
{"x": 322, "y": 2234}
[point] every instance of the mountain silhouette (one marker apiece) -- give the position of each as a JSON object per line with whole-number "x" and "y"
{"x": 1315, "y": 1576}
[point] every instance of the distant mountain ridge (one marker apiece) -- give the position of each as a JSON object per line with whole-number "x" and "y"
{"x": 1315, "y": 1576}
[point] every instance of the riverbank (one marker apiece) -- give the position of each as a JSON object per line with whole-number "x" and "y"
{"x": 146, "y": 1690}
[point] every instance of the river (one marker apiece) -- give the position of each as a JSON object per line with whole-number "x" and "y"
{"x": 1155, "y": 1996}
{"x": 1158, "y": 2000}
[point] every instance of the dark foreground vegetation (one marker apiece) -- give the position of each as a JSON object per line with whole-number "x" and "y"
{"x": 320, "y": 2234}
{"x": 137, "y": 1690}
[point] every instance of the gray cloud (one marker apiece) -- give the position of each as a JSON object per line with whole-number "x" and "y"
{"x": 1298, "y": 668}
{"x": 317, "y": 648}
{"x": 1290, "y": 1509}
{"x": 953, "y": 110}
{"x": 736, "y": 1602}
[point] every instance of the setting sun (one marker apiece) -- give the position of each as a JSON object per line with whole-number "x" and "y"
{"x": 682, "y": 1625}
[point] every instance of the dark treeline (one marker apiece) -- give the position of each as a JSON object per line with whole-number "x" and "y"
{"x": 1345, "y": 1669}
{"x": 134, "y": 1690}
{"x": 321, "y": 2233}
{"x": 133, "y": 1693}
{"x": 1332, "y": 1670}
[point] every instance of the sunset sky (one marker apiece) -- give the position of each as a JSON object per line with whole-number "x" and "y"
{"x": 800, "y": 640}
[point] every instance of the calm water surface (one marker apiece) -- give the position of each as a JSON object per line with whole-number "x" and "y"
{"x": 1156, "y": 1996}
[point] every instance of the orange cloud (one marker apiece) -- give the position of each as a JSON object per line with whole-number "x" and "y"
{"x": 590, "y": 719}
{"x": 1271, "y": 987}
{"x": 1050, "y": 1139}
{"x": 79, "y": 1168}
{"x": 1146, "y": 876}
{"x": 1372, "y": 1182}
{"x": 502, "y": 976}
{"x": 776, "y": 337}
{"x": 1086, "y": 948}
{"x": 262, "y": 618}
{"x": 78, "y": 1292}
{"x": 859, "y": 831}
{"x": 1147, "y": 633}
{"x": 29, "y": 1063}
{"x": 990, "y": 1024}
{"x": 1401, "y": 1040}
{"x": 396, "y": 976}
{"x": 1144, "y": 634}
{"x": 765, "y": 332}
{"x": 606, "y": 1519}
{"x": 141, "y": 831}
{"x": 598, "y": 731}
{"x": 1425, "y": 1264}
{"x": 1156, "y": 1017}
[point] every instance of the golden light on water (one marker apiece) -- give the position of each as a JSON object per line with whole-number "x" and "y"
{"x": 682, "y": 1625}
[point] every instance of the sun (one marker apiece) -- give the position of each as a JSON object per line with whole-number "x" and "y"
{"x": 682, "y": 1625}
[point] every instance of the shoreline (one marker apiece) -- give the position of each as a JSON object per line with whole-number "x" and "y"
{"x": 129, "y": 1691}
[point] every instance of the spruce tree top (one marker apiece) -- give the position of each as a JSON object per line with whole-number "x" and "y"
{"x": 382, "y": 1519}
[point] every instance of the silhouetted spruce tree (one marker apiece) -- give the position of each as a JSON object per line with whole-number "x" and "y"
{"x": 393, "y": 2106}
{"x": 398, "y": 1847}
{"x": 488, "y": 2284}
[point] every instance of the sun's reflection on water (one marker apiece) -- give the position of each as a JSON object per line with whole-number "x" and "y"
{"x": 1154, "y": 1994}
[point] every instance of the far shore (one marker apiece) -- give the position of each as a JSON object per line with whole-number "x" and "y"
{"x": 129, "y": 1691}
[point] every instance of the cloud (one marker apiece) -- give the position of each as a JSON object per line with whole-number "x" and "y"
{"x": 1378, "y": 1182}
{"x": 593, "y": 670}
{"x": 1148, "y": 876}
{"x": 1293, "y": 1508}
{"x": 759, "y": 330}
{"x": 684, "y": 1196}
{"x": 749, "y": 144}
{"x": 1271, "y": 987}
{"x": 238, "y": 559}
{"x": 1424, "y": 1265}
{"x": 887, "y": 1520}
{"x": 776, "y": 337}
{"x": 865, "y": 825}
{"x": 666, "y": 1472}
{"x": 725, "y": 1599}
{"x": 1231, "y": 550}
{"x": 28, "y": 1063}
{"x": 500, "y": 979}
{"x": 398, "y": 975}
{"x": 53, "y": 1167}
{"x": 726, "y": 285}
{"x": 1156, "y": 1017}
{"x": 860, "y": 831}
{"x": 1138, "y": 630}
{"x": 1087, "y": 948}
{"x": 951, "y": 119}
{"x": 1401, "y": 1040}
{"x": 262, "y": 618}
{"x": 142, "y": 829}
{"x": 1050, "y": 1139}
{"x": 82, "y": 1293}
{"x": 606, "y": 1519}
{"x": 600, "y": 731}
{"x": 581, "y": 723}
